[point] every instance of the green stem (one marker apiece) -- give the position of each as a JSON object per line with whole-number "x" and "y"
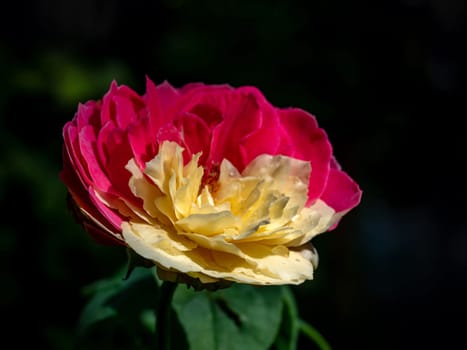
{"x": 163, "y": 312}
{"x": 314, "y": 335}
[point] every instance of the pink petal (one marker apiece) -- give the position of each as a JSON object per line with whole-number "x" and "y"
{"x": 120, "y": 104}
{"x": 190, "y": 87}
{"x": 215, "y": 96}
{"x": 108, "y": 107}
{"x": 167, "y": 94}
{"x": 261, "y": 141}
{"x": 100, "y": 236}
{"x": 110, "y": 215}
{"x": 335, "y": 164}
{"x": 196, "y": 135}
{"x": 88, "y": 113}
{"x": 81, "y": 198}
{"x": 169, "y": 132}
{"x": 103, "y": 149}
{"x": 131, "y": 95}
{"x": 125, "y": 112}
{"x": 341, "y": 193}
{"x": 114, "y": 153}
{"x": 157, "y": 100}
{"x": 303, "y": 139}
{"x": 263, "y": 104}
{"x": 87, "y": 144}
{"x": 209, "y": 114}
{"x": 70, "y": 177}
{"x": 142, "y": 142}
{"x": 189, "y": 90}
{"x": 120, "y": 153}
{"x": 267, "y": 138}
{"x": 241, "y": 117}
{"x": 70, "y": 135}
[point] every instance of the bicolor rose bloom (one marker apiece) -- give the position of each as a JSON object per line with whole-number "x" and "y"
{"x": 210, "y": 182}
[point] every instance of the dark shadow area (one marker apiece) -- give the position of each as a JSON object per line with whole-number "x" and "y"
{"x": 386, "y": 81}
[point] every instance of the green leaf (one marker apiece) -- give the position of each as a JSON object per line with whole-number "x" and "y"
{"x": 292, "y": 327}
{"x": 134, "y": 261}
{"x": 117, "y": 313}
{"x": 287, "y": 338}
{"x": 313, "y": 334}
{"x": 239, "y": 317}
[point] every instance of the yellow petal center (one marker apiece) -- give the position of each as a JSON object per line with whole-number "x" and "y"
{"x": 249, "y": 227}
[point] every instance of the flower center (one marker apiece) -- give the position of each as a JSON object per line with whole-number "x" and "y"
{"x": 241, "y": 226}
{"x": 210, "y": 179}
{"x": 264, "y": 202}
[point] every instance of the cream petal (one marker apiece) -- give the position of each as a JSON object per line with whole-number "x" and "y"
{"x": 239, "y": 270}
{"x": 203, "y": 277}
{"x": 165, "y": 205}
{"x": 293, "y": 268}
{"x": 252, "y": 228}
{"x": 166, "y": 169}
{"x": 243, "y": 272}
{"x": 205, "y": 199}
{"x": 216, "y": 243}
{"x": 207, "y": 224}
{"x": 289, "y": 174}
{"x": 312, "y": 221}
{"x": 143, "y": 189}
{"x": 160, "y": 168}
{"x": 276, "y": 209}
{"x": 232, "y": 186}
{"x": 309, "y": 252}
{"x": 270, "y": 237}
{"x": 113, "y": 202}
{"x": 154, "y": 244}
{"x": 152, "y": 234}
{"x": 186, "y": 195}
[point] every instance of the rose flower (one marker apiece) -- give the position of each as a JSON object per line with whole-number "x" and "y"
{"x": 209, "y": 182}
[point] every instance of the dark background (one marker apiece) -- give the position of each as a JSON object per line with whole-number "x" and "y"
{"x": 385, "y": 80}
